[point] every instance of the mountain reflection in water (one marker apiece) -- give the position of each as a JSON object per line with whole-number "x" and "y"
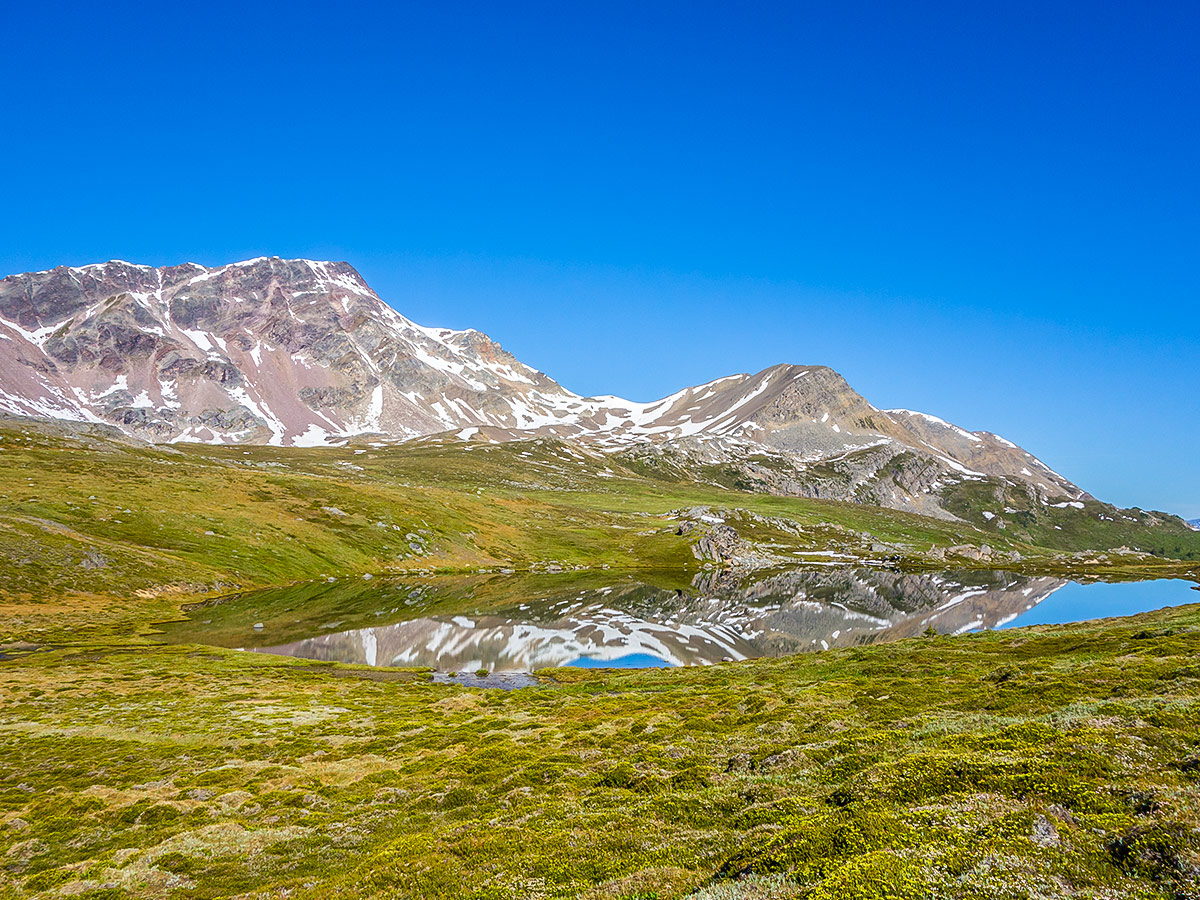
{"x": 522, "y": 623}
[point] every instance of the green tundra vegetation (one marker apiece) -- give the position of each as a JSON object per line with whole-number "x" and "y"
{"x": 1053, "y": 761}
{"x": 1042, "y": 762}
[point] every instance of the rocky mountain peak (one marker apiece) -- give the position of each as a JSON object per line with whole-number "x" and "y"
{"x": 303, "y": 352}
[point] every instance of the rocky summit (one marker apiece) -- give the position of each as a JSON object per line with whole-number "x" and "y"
{"x": 304, "y": 353}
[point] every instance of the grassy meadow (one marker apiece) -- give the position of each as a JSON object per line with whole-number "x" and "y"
{"x": 1056, "y": 761}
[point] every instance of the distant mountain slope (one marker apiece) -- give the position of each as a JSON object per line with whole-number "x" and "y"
{"x": 303, "y": 353}
{"x": 1194, "y": 523}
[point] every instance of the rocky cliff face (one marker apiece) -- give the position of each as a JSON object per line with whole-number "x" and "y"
{"x": 301, "y": 353}
{"x": 280, "y": 351}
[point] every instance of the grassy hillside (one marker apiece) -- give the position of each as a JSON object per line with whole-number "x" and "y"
{"x": 1091, "y": 524}
{"x": 102, "y": 535}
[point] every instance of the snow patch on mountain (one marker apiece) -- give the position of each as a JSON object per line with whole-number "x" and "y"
{"x": 304, "y": 353}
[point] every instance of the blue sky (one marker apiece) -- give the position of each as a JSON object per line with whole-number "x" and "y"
{"x": 986, "y": 211}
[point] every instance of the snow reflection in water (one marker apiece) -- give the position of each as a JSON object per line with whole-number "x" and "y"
{"x": 510, "y": 624}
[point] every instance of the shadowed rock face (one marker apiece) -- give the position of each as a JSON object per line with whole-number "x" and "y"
{"x": 298, "y": 352}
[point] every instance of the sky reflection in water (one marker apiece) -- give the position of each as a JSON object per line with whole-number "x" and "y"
{"x": 521, "y": 623}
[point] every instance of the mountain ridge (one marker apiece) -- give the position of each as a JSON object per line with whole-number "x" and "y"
{"x": 305, "y": 353}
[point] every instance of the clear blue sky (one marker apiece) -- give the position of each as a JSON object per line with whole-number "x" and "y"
{"x": 988, "y": 211}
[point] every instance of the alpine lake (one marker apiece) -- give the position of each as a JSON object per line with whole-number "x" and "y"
{"x": 496, "y": 629}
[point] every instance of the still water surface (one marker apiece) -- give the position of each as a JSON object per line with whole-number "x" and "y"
{"x": 513, "y": 624}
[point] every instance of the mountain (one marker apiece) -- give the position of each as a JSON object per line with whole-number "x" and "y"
{"x": 304, "y": 353}
{"x": 1194, "y": 524}
{"x": 266, "y": 351}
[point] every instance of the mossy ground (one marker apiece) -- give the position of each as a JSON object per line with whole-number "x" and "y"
{"x": 1043, "y": 762}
